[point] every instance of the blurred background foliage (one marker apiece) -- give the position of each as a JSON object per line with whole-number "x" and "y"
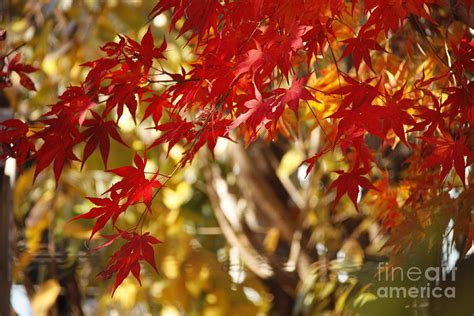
{"x": 244, "y": 234}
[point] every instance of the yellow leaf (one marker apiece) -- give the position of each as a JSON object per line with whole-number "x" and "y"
{"x": 45, "y": 297}
{"x": 37, "y": 221}
{"x": 173, "y": 199}
{"x": 213, "y": 311}
{"x": 22, "y": 189}
{"x": 290, "y": 162}
{"x": 50, "y": 65}
{"x": 75, "y": 230}
{"x": 353, "y": 252}
{"x": 126, "y": 293}
{"x": 169, "y": 310}
{"x": 271, "y": 239}
{"x": 170, "y": 267}
{"x": 364, "y": 298}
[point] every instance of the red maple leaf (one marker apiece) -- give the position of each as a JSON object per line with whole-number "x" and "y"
{"x": 395, "y": 114}
{"x": 22, "y": 70}
{"x": 14, "y": 140}
{"x": 285, "y": 46}
{"x": 157, "y": 103}
{"x": 106, "y": 209}
{"x": 295, "y": 93}
{"x": 390, "y": 15}
{"x": 311, "y": 161}
{"x": 208, "y": 134}
{"x": 349, "y": 182}
{"x": 253, "y": 61}
{"x": 174, "y": 131}
{"x": 460, "y": 101}
{"x": 355, "y": 122}
{"x": 355, "y": 148}
{"x": 356, "y": 93}
{"x": 448, "y": 152}
{"x": 431, "y": 118}
{"x": 59, "y": 138}
{"x": 97, "y": 134}
{"x": 135, "y": 186}
{"x": 99, "y": 70}
{"x": 146, "y": 51}
{"x": 360, "y": 47}
{"x": 464, "y": 57}
{"x": 126, "y": 86}
{"x": 75, "y": 101}
{"x": 258, "y": 112}
{"x": 127, "y": 259}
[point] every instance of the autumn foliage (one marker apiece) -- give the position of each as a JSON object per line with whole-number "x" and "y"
{"x": 374, "y": 76}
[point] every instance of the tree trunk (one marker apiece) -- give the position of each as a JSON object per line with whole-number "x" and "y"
{"x": 6, "y": 220}
{"x": 5, "y": 243}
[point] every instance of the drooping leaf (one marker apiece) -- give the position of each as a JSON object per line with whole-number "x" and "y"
{"x": 349, "y": 182}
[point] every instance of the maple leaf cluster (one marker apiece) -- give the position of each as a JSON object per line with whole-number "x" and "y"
{"x": 257, "y": 62}
{"x": 127, "y": 259}
{"x": 10, "y": 65}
